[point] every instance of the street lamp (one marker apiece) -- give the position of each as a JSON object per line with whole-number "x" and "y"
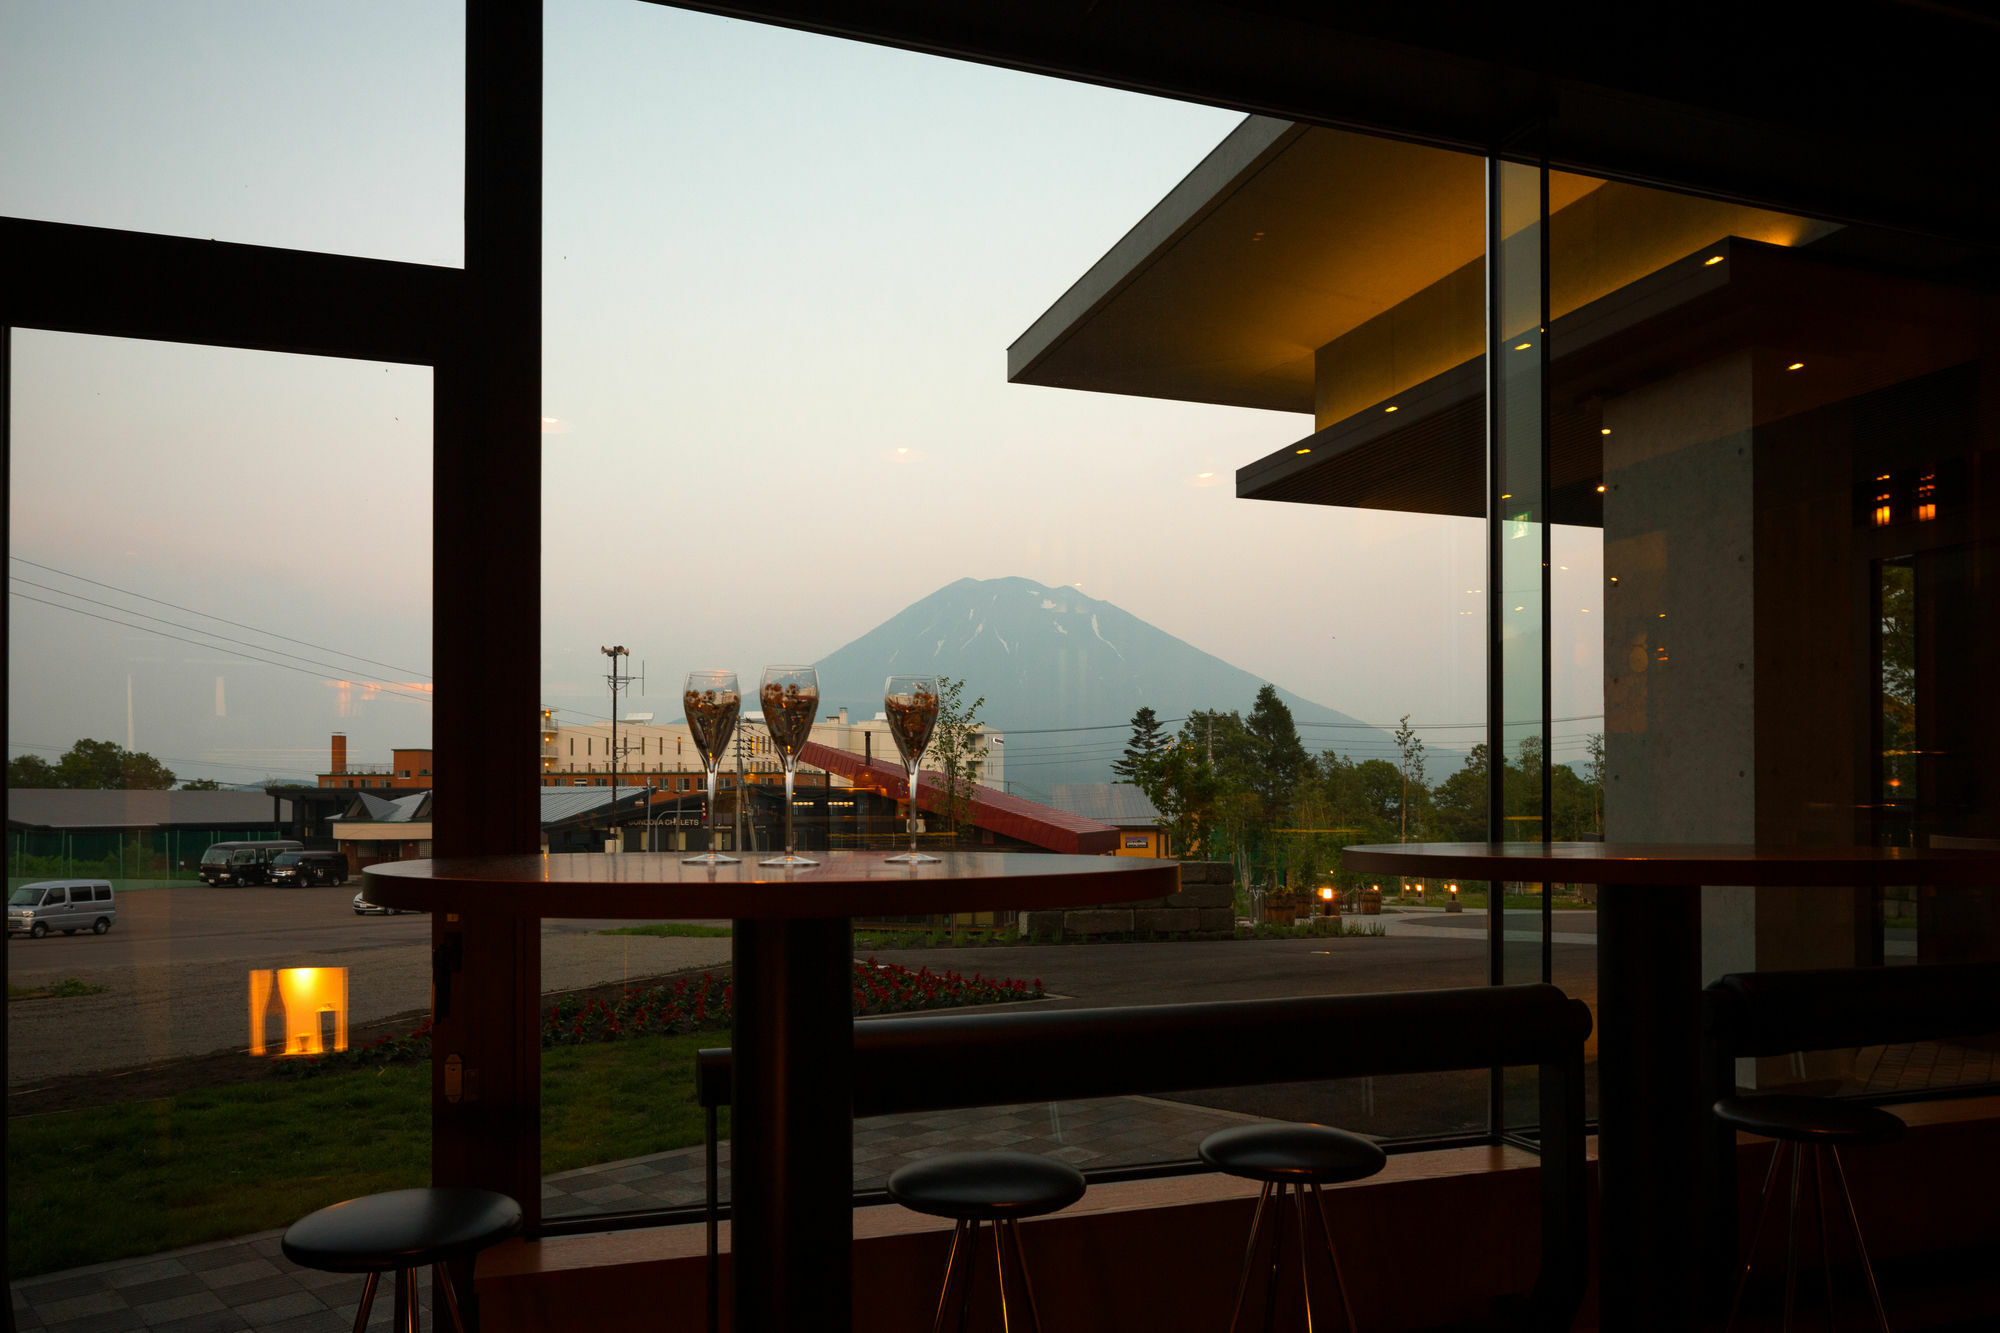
{"x": 616, "y": 678}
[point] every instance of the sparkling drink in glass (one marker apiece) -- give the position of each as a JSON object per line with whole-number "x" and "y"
{"x": 790, "y": 697}
{"x": 911, "y": 705}
{"x": 712, "y": 701}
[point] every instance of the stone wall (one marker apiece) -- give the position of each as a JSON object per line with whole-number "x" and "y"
{"x": 1205, "y": 903}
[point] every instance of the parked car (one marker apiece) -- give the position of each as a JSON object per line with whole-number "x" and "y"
{"x": 243, "y": 862}
{"x": 310, "y": 868}
{"x": 68, "y": 905}
{"x": 362, "y": 907}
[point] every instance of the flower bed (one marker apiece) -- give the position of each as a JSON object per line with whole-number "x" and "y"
{"x": 705, "y": 1004}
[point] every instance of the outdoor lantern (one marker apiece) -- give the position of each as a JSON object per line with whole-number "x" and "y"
{"x": 1326, "y": 900}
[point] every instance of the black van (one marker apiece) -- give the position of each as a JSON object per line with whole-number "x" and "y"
{"x": 310, "y": 868}
{"x": 243, "y": 862}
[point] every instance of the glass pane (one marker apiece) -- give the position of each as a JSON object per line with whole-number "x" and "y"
{"x": 220, "y": 595}
{"x": 336, "y": 127}
{"x": 1092, "y": 563}
{"x": 1789, "y": 605}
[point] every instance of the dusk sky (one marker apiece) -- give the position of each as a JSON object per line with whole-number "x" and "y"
{"x": 781, "y": 276}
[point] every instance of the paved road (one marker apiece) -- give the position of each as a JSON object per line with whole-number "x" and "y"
{"x": 176, "y": 968}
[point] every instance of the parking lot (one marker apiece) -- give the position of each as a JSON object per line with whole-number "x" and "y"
{"x": 176, "y": 972}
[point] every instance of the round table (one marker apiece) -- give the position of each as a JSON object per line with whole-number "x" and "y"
{"x": 1649, "y": 1113}
{"x": 792, "y": 1118}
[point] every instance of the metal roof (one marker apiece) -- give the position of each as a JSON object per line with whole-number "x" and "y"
{"x": 50, "y": 807}
{"x": 1119, "y": 803}
{"x": 564, "y": 803}
{"x": 1009, "y": 816}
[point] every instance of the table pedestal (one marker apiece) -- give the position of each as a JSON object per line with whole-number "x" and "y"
{"x": 1649, "y": 1111}
{"x": 791, "y": 1129}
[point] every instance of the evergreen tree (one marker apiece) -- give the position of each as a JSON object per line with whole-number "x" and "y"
{"x": 1147, "y": 736}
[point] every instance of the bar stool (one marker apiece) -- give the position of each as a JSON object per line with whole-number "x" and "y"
{"x": 1822, "y": 1124}
{"x": 398, "y": 1232}
{"x": 997, "y": 1187}
{"x": 1295, "y": 1158}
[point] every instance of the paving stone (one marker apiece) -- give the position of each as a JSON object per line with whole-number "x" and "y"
{"x": 179, "y": 1307}
{"x": 158, "y": 1289}
{"x": 260, "y": 1289}
{"x": 322, "y": 1321}
{"x": 60, "y": 1289}
{"x": 263, "y": 1313}
{"x": 110, "y": 1321}
{"x": 235, "y": 1274}
{"x": 100, "y": 1301}
{"x": 222, "y": 1256}
{"x": 155, "y": 1270}
{"x": 221, "y": 1321}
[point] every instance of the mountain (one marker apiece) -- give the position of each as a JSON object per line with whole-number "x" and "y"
{"x": 1048, "y": 658}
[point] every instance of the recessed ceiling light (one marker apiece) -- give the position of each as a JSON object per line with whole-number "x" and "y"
{"x": 1390, "y": 408}
{"x": 1204, "y": 475}
{"x": 1600, "y": 490}
{"x": 1796, "y": 365}
{"x": 1604, "y": 430}
{"x": 1522, "y": 347}
{"x": 1711, "y": 261}
{"x": 1301, "y": 451}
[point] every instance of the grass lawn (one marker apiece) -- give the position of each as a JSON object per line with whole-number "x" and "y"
{"x": 686, "y": 930}
{"x": 139, "y": 1177}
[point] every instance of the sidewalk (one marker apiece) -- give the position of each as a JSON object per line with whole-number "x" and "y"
{"x": 247, "y": 1284}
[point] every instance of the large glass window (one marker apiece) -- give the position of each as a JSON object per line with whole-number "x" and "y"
{"x": 333, "y": 127}
{"x": 1135, "y": 534}
{"x": 219, "y": 601}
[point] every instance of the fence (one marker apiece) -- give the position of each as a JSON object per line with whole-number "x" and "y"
{"x": 172, "y": 854}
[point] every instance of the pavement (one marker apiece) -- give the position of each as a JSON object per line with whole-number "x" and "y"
{"x": 248, "y": 1284}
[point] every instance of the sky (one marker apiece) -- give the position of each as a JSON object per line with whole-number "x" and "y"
{"x": 781, "y": 274}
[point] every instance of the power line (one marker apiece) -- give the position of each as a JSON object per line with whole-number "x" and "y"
{"x": 192, "y": 629}
{"x": 146, "y": 629}
{"x": 269, "y": 634}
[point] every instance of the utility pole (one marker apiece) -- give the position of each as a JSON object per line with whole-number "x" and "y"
{"x": 616, "y": 678}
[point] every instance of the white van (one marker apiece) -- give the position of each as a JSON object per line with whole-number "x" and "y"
{"x": 68, "y": 905}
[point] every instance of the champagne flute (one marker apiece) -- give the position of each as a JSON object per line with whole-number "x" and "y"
{"x": 790, "y": 696}
{"x": 911, "y": 703}
{"x": 712, "y": 701}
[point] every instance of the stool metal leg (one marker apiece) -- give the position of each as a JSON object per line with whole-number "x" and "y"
{"x": 950, "y": 1261}
{"x": 1756, "y": 1232}
{"x": 1333, "y": 1257}
{"x": 1249, "y": 1255}
{"x": 441, "y": 1283}
{"x": 1825, "y": 1224}
{"x": 1277, "y": 1257}
{"x": 1861, "y": 1247}
{"x": 1305, "y": 1280}
{"x": 367, "y": 1301}
{"x": 1791, "y": 1239}
{"x": 406, "y": 1301}
{"x": 1027, "y": 1284}
{"x": 1000, "y": 1275}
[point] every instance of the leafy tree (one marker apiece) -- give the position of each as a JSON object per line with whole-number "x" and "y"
{"x": 31, "y": 770}
{"x": 201, "y": 784}
{"x": 956, "y": 750}
{"x": 1460, "y": 803}
{"x": 1179, "y": 781}
{"x": 92, "y": 765}
{"x": 1412, "y": 750}
{"x": 1147, "y": 736}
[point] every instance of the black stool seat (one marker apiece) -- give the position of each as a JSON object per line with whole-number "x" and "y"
{"x": 986, "y": 1186}
{"x": 1292, "y": 1154}
{"x": 1809, "y": 1119}
{"x": 401, "y": 1229}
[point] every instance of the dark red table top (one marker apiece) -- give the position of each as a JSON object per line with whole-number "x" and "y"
{"x": 657, "y": 885}
{"x": 1674, "y": 863}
